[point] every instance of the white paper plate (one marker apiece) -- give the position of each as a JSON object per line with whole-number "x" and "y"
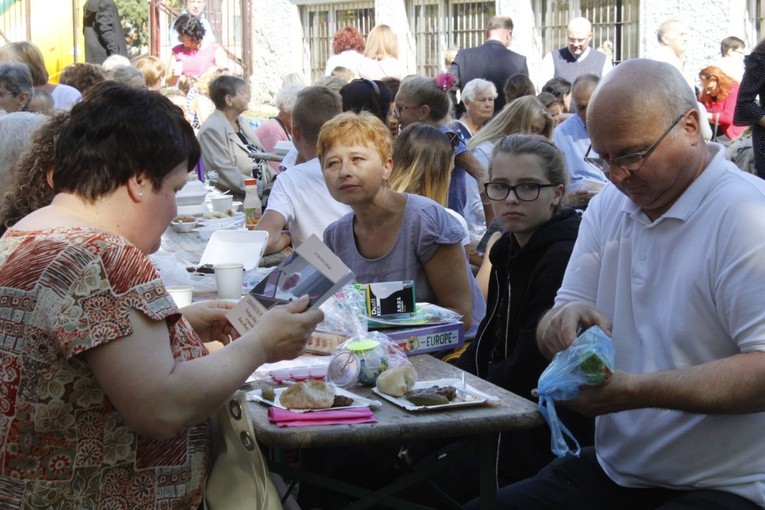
{"x": 465, "y": 398}
{"x": 358, "y": 400}
{"x": 235, "y": 247}
{"x": 190, "y": 199}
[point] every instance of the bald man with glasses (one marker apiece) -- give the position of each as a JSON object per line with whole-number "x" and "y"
{"x": 576, "y": 58}
{"x": 668, "y": 261}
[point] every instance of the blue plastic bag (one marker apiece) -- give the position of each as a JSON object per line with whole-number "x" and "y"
{"x": 587, "y": 361}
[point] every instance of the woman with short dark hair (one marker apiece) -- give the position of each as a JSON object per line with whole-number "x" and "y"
{"x": 107, "y": 385}
{"x": 194, "y": 55}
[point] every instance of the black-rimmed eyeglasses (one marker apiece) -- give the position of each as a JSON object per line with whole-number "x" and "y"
{"x": 526, "y": 192}
{"x": 630, "y": 162}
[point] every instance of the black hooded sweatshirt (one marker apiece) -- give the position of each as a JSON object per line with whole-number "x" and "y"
{"x": 522, "y": 287}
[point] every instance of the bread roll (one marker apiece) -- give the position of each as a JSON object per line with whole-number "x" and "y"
{"x": 308, "y": 395}
{"x": 397, "y": 381}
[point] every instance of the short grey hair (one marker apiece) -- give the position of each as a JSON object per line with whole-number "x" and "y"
{"x": 478, "y": 86}
{"x": 113, "y": 61}
{"x": 17, "y": 78}
{"x": 15, "y": 133}
{"x": 123, "y": 74}
{"x": 287, "y": 96}
{"x": 670, "y": 92}
{"x": 666, "y": 27}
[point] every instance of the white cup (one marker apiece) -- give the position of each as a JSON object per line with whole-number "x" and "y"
{"x": 222, "y": 203}
{"x": 229, "y": 278}
{"x": 181, "y": 294}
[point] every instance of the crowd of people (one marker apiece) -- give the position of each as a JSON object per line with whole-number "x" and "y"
{"x": 532, "y": 212}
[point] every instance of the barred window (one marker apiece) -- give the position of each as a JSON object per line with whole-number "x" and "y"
{"x": 440, "y": 25}
{"x": 321, "y": 21}
{"x": 756, "y": 13}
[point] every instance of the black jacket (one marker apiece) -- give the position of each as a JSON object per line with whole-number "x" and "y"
{"x": 491, "y": 61}
{"x": 103, "y": 31}
{"x": 522, "y": 287}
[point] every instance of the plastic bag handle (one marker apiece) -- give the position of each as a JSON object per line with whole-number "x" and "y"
{"x": 558, "y": 431}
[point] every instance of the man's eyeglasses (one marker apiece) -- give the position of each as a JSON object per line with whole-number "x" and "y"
{"x": 630, "y": 162}
{"x": 4, "y": 93}
{"x": 526, "y": 192}
{"x": 398, "y": 109}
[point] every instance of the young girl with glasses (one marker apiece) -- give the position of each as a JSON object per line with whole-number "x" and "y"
{"x": 527, "y": 183}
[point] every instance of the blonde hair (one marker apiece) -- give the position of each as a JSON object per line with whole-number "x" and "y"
{"x": 153, "y": 70}
{"x": 202, "y": 85}
{"x": 24, "y": 52}
{"x": 422, "y": 162}
{"x": 354, "y": 129}
{"x": 381, "y": 42}
{"x": 516, "y": 117}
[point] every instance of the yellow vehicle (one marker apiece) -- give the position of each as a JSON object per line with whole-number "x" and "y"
{"x": 55, "y": 26}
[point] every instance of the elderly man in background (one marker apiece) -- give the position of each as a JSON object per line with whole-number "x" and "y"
{"x": 668, "y": 261}
{"x": 573, "y": 140}
{"x": 16, "y": 90}
{"x": 577, "y": 57}
{"x": 673, "y": 43}
{"x": 492, "y": 61}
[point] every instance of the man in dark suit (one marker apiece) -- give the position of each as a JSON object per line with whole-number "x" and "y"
{"x": 492, "y": 60}
{"x": 103, "y": 31}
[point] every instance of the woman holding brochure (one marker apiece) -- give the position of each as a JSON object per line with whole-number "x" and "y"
{"x": 107, "y": 385}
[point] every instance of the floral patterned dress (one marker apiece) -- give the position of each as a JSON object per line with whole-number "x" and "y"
{"x": 62, "y": 443}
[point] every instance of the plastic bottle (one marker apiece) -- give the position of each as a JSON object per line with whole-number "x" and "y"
{"x": 253, "y": 208}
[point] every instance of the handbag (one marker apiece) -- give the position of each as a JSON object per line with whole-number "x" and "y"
{"x": 239, "y": 478}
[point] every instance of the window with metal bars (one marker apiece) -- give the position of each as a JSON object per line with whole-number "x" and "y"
{"x": 614, "y": 24}
{"x": 438, "y": 25}
{"x": 757, "y": 19}
{"x": 321, "y": 21}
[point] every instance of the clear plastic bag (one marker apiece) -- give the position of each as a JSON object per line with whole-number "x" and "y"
{"x": 366, "y": 354}
{"x": 587, "y": 361}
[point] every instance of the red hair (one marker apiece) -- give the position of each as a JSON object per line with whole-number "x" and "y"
{"x": 347, "y": 38}
{"x": 724, "y": 85}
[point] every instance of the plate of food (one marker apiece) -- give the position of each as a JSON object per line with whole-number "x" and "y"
{"x": 438, "y": 394}
{"x": 311, "y": 395}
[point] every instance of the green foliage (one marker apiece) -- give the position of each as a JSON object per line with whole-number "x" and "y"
{"x": 135, "y": 18}
{"x": 135, "y": 21}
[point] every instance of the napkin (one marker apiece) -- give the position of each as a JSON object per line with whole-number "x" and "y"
{"x": 286, "y": 418}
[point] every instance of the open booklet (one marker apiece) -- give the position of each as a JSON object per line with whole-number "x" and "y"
{"x": 311, "y": 269}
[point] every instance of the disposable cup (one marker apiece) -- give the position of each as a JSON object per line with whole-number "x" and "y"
{"x": 229, "y": 278}
{"x": 222, "y": 203}
{"x": 181, "y": 294}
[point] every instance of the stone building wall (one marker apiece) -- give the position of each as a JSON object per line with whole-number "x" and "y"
{"x": 708, "y": 21}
